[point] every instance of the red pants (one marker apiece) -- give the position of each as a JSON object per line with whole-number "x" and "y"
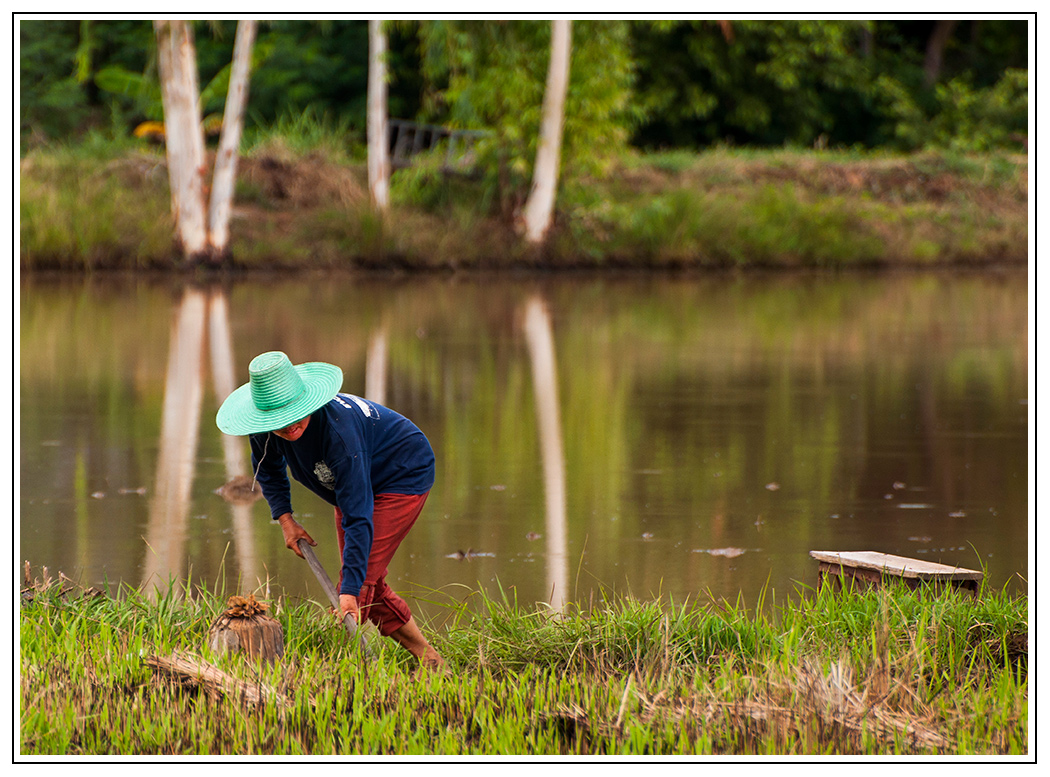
{"x": 392, "y": 517}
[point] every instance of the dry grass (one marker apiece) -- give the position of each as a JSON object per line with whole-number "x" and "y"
{"x": 309, "y": 207}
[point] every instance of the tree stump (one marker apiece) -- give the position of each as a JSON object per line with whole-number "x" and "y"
{"x": 245, "y": 626}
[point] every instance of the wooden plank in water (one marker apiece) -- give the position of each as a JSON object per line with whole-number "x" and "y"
{"x": 871, "y": 567}
{"x": 896, "y": 565}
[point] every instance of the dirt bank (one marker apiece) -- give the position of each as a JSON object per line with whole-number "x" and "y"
{"x": 680, "y": 211}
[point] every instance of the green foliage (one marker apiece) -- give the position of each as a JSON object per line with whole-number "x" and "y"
{"x": 299, "y": 133}
{"x": 82, "y": 214}
{"x": 963, "y": 117}
{"x": 837, "y": 83}
{"x": 423, "y": 185}
{"x": 51, "y": 100}
{"x": 754, "y": 82}
{"x": 685, "y": 84}
{"x": 975, "y": 119}
{"x": 139, "y": 87}
{"x": 310, "y": 64}
{"x": 492, "y": 76}
{"x": 626, "y": 677}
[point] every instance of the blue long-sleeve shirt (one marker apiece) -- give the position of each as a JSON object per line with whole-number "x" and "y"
{"x": 351, "y": 450}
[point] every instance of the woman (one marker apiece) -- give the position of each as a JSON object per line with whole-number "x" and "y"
{"x": 375, "y": 466}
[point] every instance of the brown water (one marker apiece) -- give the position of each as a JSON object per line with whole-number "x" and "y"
{"x": 664, "y": 437}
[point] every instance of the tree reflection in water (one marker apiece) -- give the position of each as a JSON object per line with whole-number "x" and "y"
{"x": 539, "y": 337}
{"x": 677, "y": 404}
{"x": 179, "y": 436}
{"x": 180, "y": 421}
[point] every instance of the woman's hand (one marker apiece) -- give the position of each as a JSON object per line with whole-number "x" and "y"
{"x": 348, "y": 606}
{"x": 293, "y": 532}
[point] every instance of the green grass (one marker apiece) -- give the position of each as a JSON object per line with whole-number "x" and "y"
{"x": 306, "y": 132}
{"x": 302, "y": 201}
{"x": 77, "y": 212}
{"x": 873, "y": 672}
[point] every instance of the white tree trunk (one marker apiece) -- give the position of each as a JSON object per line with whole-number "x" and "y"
{"x": 539, "y": 208}
{"x": 378, "y": 151}
{"x": 230, "y": 139}
{"x": 184, "y": 139}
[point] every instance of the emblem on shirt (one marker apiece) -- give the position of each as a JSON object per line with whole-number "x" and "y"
{"x": 324, "y": 475}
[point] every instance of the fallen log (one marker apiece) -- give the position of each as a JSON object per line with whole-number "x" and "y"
{"x": 196, "y": 672}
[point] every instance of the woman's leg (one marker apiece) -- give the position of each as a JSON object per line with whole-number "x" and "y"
{"x": 393, "y": 516}
{"x": 411, "y": 638}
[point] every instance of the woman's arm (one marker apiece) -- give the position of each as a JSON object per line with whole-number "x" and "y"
{"x": 293, "y": 532}
{"x": 353, "y": 496}
{"x": 271, "y": 472}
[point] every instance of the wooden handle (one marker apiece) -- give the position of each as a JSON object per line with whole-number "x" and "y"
{"x": 326, "y": 583}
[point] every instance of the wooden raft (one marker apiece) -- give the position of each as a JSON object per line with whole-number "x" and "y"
{"x": 872, "y": 568}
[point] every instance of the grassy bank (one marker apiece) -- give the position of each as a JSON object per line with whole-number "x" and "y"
{"x": 304, "y": 204}
{"x": 873, "y": 673}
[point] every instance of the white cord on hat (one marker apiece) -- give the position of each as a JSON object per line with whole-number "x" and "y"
{"x": 257, "y": 466}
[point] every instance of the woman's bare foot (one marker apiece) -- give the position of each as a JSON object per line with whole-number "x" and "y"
{"x": 411, "y": 638}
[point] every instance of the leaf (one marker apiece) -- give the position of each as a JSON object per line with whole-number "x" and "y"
{"x": 118, "y": 80}
{"x": 144, "y": 90}
{"x": 215, "y": 90}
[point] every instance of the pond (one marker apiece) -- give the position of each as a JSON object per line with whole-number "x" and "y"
{"x": 679, "y": 437}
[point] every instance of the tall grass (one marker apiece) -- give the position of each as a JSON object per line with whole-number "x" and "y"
{"x": 304, "y": 133}
{"x": 870, "y": 672}
{"x": 302, "y": 201}
{"x": 80, "y": 211}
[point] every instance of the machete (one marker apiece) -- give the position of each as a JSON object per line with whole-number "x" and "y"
{"x": 326, "y": 583}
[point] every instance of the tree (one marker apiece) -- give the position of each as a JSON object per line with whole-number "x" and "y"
{"x": 753, "y": 82}
{"x": 942, "y": 31}
{"x": 202, "y": 235}
{"x": 378, "y": 147}
{"x": 230, "y": 140}
{"x": 184, "y": 139}
{"x": 490, "y": 76}
{"x": 539, "y": 208}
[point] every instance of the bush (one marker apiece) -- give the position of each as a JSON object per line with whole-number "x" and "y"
{"x": 964, "y": 118}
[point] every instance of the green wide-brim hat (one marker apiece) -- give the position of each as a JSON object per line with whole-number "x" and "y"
{"x": 277, "y": 394}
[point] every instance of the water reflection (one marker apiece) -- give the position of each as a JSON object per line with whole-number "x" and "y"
{"x": 196, "y": 313}
{"x": 177, "y": 459}
{"x": 234, "y": 449}
{"x": 889, "y": 412}
{"x": 375, "y": 366}
{"x": 539, "y": 336}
